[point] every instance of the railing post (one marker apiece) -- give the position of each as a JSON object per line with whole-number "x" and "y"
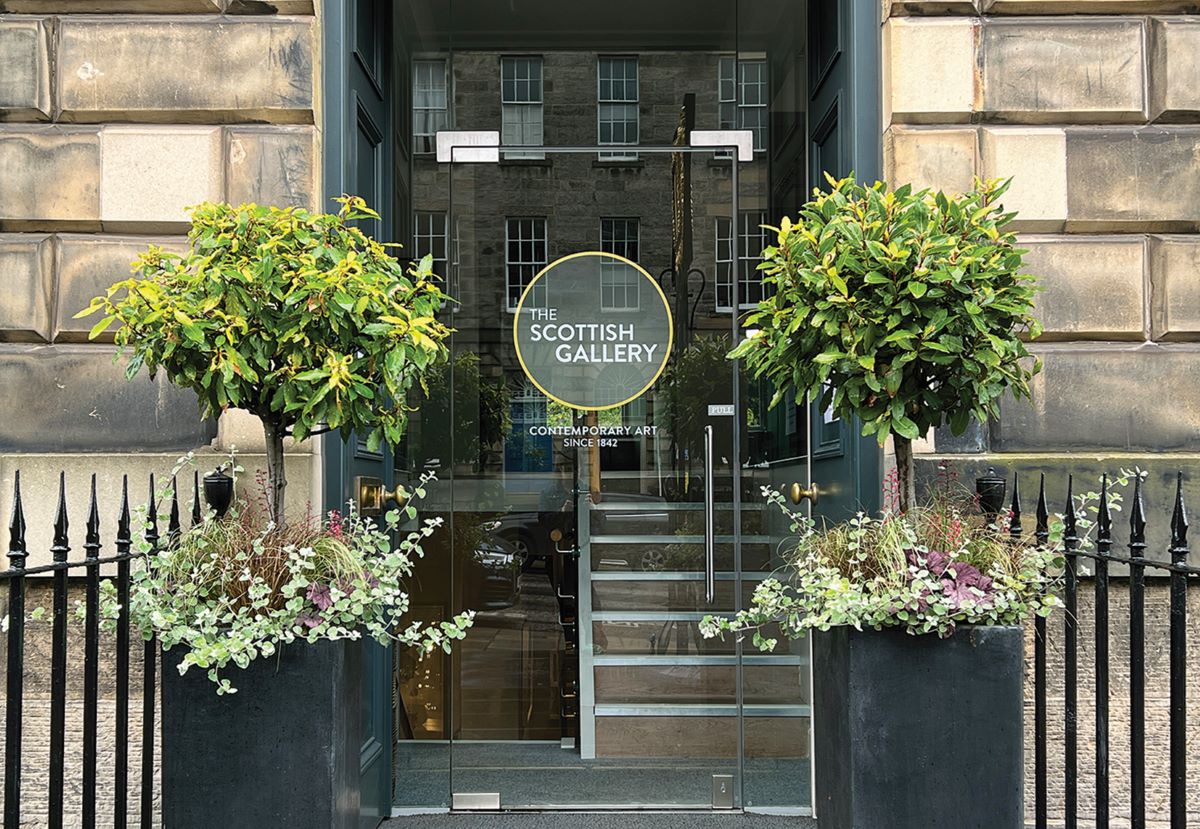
{"x": 15, "y": 681}
{"x": 149, "y": 682}
{"x": 1103, "y": 551}
{"x": 123, "y": 543}
{"x": 91, "y": 659}
{"x": 1041, "y": 535}
{"x": 1179, "y": 591}
{"x": 1071, "y": 680}
{"x": 1137, "y": 659}
{"x": 59, "y": 550}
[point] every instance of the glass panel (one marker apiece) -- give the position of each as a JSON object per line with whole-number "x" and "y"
{"x": 578, "y": 536}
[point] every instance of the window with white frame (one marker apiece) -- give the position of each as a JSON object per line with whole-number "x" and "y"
{"x": 431, "y": 237}
{"x": 619, "y": 284}
{"x": 751, "y": 240}
{"x": 617, "y": 102}
{"x": 742, "y": 88}
{"x": 429, "y": 103}
{"x": 521, "y": 106}
{"x": 524, "y": 256}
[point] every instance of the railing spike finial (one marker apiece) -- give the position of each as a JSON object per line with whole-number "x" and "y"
{"x": 17, "y": 551}
{"x": 1137, "y": 515}
{"x": 174, "y": 528}
{"x": 60, "y": 546}
{"x": 91, "y": 543}
{"x": 1014, "y": 528}
{"x": 1179, "y": 518}
{"x": 1103, "y": 512}
{"x": 1043, "y": 510}
{"x": 151, "y": 533}
{"x": 197, "y": 513}
{"x": 123, "y": 518}
{"x": 1069, "y": 513}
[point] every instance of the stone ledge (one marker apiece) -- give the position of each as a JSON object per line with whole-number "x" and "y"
{"x": 1053, "y": 7}
{"x": 39, "y": 488}
{"x": 25, "y": 82}
{"x": 185, "y": 69}
{"x": 929, "y": 8}
{"x": 1074, "y": 70}
{"x": 214, "y": 7}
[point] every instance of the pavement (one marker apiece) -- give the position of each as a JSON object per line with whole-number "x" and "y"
{"x": 603, "y": 820}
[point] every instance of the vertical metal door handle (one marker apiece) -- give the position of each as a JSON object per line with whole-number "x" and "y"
{"x": 710, "y": 541}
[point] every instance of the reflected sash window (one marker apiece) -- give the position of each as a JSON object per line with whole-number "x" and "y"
{"x": 429, "y": 97}
{"x": 752, "y": 238}
{"x": 620, "y": 286}
{"x": 524, "y": 256}
{"x": 742, "y": 90}
{"x": 617, "y": 99}
{"x": 521, "y": 105}
{"x": 431, "y": 238}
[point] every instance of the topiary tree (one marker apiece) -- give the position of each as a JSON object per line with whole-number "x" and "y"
{"x": 904, "y": 309}
{"x": 298, "y": 317}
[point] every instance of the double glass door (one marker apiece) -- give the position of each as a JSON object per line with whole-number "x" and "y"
{"x": 592, "y": 538}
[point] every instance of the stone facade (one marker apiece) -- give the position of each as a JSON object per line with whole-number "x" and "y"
{"x": 115, "y": 116}
{"x": 1091, "y": 108}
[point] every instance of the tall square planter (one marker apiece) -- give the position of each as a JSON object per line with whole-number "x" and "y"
{"x": 916, "y": 731}
{"x": 283, "y": 751}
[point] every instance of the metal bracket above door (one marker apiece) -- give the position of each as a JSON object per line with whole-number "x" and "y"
{"x": 468, "y": 146}
{"x": 723, "y": 139}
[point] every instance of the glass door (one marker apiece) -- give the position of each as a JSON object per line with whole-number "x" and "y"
{"x": 588, "y": 314}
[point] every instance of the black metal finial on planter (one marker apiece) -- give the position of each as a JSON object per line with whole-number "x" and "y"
{"x": 218, "y": 491}
{"x": 990, "y": 488}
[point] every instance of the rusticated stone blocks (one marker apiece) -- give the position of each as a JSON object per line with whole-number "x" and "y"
{"x": 1175, "y": 69}
{"x": 74, "y": 399}
{"x": 152, "y": 174}
{"x": 918, "y": 89}
{"x": 270, "y": 165}
{"x": 1075, "y": 272}
{"x": 49, "y": 174}
{"x": 942, "y": 158}
{"x": 1107, "y": 397}
{"x": 1175, "y": 276}
{"x": 25, "y": 81}
{"x": 147, "y": 69}
{"x": 26, "y": 286}
{"x": 87, "y": 265}
{"x": 1050, "y": 71}
{"x": 1035, "y": 159}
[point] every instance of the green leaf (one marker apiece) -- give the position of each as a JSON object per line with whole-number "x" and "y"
{"x": 917, "y": 289}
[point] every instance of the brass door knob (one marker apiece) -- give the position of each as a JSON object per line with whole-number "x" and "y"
{"x": 373, "y": 495}
{"x": 798, "y": 493}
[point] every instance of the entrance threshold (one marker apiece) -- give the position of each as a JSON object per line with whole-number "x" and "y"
{"x": 601, "y": 820}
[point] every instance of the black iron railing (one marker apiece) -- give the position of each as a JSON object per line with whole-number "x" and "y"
{"x": 1177, "y": 569}
{"x": 61, "y": 568}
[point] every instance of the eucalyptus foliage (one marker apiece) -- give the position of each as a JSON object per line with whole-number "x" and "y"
{"x": 905, "y": 309}
{"x": 298, "y": 317}
{"x": 231, "y": 590}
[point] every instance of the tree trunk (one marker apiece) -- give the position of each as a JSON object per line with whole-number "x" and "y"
{"x": 906, "y": 488}
{"x": 276, "y": 476}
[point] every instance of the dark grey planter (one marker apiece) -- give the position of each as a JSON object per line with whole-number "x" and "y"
{"x": 916, "y": 731}
{"x": 282, "y": 751}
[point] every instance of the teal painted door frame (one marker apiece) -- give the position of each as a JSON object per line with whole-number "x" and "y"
{"x": 350, "y": 115}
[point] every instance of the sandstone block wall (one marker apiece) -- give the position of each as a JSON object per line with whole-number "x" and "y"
{"x": 1091, "y": 107}
{"x": 114, "y": 118}
{"x": 116, "y": 115}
